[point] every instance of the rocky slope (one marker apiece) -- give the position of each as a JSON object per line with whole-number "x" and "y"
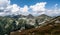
{"x": 20, "y": 22}
{"x": 52, "y": 27}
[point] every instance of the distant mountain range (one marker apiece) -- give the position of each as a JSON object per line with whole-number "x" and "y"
{"x": 28, "y": 16}
{"x": 16, "y": 22}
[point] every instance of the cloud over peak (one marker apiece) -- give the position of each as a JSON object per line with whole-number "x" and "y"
{"x": 39, "y": 8}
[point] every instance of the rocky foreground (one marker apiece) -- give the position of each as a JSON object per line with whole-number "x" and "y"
{"x": 51, "y": 27}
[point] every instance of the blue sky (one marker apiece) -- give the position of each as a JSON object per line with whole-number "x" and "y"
{"x": 34, "y": 7}
{"x": 50, "y": 3}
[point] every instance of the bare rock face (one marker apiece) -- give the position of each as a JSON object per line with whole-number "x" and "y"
{"x": 30, "y": 16}
{"x": 42, "y": 18}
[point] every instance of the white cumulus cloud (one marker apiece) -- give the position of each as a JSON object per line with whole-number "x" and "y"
{"x": 4, "y": 3}
{"x": 24, "y": 9}
{"x": 39, "y": 8}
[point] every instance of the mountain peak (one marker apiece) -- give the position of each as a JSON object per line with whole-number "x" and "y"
{"x": 30, "y": 16}
{"x": 43, "y": 15}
